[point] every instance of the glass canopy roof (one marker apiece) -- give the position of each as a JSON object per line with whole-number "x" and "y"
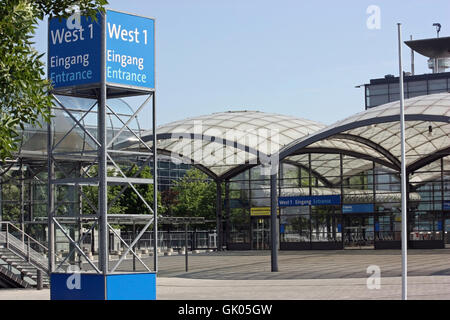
{"x": 227, "y": 143}
{"x": 377, "y": 131}
{"x": 221, "y": 142}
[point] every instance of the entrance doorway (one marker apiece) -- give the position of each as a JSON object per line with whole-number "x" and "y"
{"x": 358, "y": 232}
{"x": 260, "y": 233}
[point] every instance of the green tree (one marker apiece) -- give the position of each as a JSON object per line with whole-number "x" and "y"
{"x": 131, "y": 202}
{"x": 169, "y": 199}
{"x": 196, "y": 195}
{"x": 23, "y": 90}
{"x": 128, "y": 202}
{"x": 91, "y": 193}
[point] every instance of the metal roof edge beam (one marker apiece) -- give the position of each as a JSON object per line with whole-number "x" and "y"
{"x": 347, "y": 153}
{"x": 291, "y": 149}
{"x": 370, "y": 144}
{"x": 427, "y": 160}
{"x": 187, "y": 160}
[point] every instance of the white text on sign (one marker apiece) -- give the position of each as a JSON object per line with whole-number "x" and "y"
{"x": 67, "y": 36}
{"x": 117, "y": 32}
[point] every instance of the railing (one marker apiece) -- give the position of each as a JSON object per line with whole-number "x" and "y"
{"x": 11, "y": 271}
{"x": 201, "y": 239}
{"x": 23, "y": 245}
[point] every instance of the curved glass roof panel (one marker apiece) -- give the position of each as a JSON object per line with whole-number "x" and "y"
{"x": 223, "y": 141}
{"x": 377, "y": 130}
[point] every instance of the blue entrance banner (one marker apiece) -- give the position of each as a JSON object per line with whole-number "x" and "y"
{"x": 358, "y": 208}
{"x": 130, "y": 50}
{"x": 446, "y": 206}
{"x": 309, "y": 201}
{"x": 74, "y": 51}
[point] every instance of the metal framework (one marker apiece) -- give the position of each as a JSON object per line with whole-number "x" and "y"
{"x": 106, "y": 156}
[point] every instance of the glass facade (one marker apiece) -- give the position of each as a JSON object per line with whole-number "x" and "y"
{"x": 169, "y": 172}
{"x": 368, "y": 216}
{"x": 381, "y": 91}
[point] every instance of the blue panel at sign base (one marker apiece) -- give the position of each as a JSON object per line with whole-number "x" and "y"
{"x": 77, "y": 286}
{"x": 133, "y": 286}
{"x": 130, "y": 50}
{"x": 74, "y": 51}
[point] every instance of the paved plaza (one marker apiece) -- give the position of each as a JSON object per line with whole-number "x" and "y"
{"x": 256, "y": 265}
{"x": 302, "y": 275}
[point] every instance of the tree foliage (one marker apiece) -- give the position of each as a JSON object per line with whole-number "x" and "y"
{"x": 128, "y": 202}
{"x": 196, "y": 195}
{"x": 24, "y": 92}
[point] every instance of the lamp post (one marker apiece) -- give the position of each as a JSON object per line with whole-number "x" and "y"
{"x": 403, "y": 173}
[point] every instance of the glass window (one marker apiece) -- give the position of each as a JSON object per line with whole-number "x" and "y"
{"x": 163, "y": 173}
{"x": 416, "y": 94}
{"x": 417, "y": 86}
{"x": 295, "y": 228}
{"x": 377, "y": 100}
{"x": 163, "y": 164}
{"x": 377, "y": 89}
{"x": 438, "y": 84}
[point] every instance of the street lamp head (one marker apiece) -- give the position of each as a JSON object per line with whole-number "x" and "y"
{"x": 438, "y": 28}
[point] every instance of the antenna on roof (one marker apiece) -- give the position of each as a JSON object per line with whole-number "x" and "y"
{"x": 438, "y": 28}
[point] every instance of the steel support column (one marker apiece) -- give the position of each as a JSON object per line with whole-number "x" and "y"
{"x": 22, "y": 202}
{"x": 155, "y": 185}
{"x": 403, "y": 174}
{"x": 219, "y": 214}
{"x": 102, "y": 165}
{"x": 274, "y": 221}
{"x": 227, "y": 212}
{"x": 50, "y": 200}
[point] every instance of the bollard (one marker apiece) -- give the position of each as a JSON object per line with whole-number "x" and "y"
{"x": 39, "y": 285}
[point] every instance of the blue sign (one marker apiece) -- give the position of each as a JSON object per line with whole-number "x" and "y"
{"x": 135, "y": 286}
{"x": 74, "y": 51}
{"x": 446, "y": 205}
{"x": 357, "y": 208}
{"x": 309, "y": 201}
{"x": 130, "y": 50}
{"x": 89, "y": 286}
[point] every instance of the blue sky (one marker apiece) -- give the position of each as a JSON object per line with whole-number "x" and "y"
{"x": 299, "y": 58}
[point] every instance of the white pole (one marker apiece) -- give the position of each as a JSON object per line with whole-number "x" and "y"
{"x": 403, "y": 173}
